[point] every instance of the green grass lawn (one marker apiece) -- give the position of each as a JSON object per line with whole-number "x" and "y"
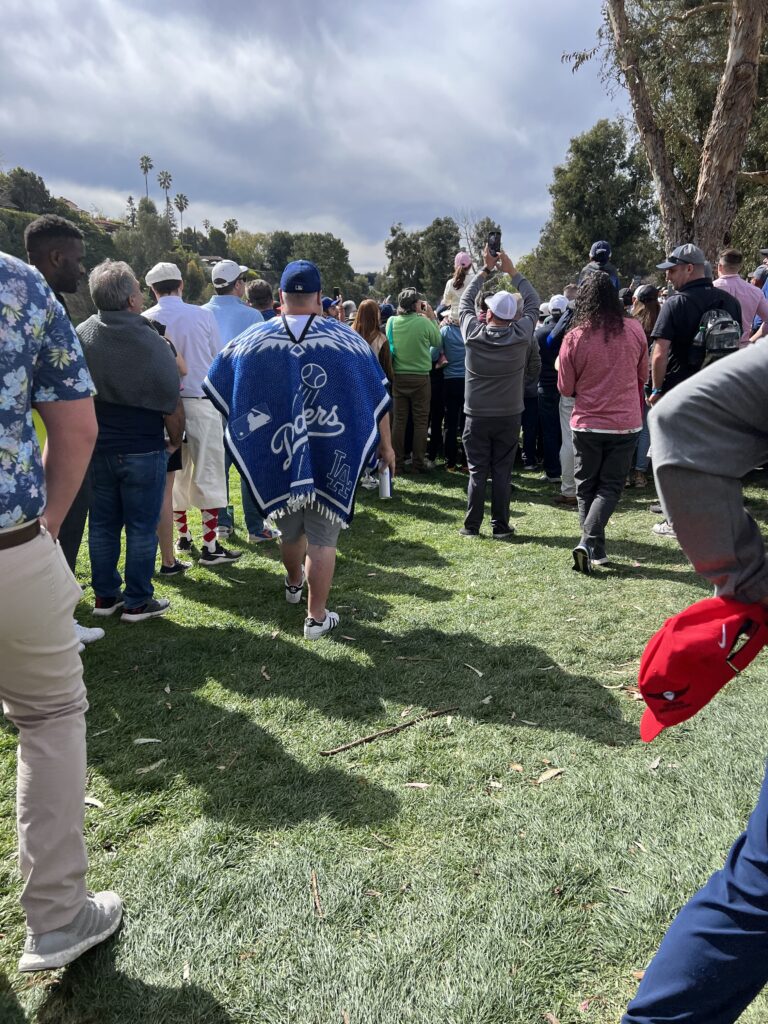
{"x": 484, "y": 897}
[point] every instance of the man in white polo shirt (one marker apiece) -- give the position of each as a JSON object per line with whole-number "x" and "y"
{"x": 201, "y": 482}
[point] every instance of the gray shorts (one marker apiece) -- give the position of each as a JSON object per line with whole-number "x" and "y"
{"x": 318, "y": 528}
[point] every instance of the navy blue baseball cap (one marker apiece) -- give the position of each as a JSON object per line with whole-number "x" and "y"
{"x": 387, "y": 310}
{"x": 328, "y": 303}
{"x": 600, "y": 252}
{"x": 300, "y": 276}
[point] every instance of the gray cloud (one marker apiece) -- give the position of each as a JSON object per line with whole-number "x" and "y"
{"x": 332, "y": 116}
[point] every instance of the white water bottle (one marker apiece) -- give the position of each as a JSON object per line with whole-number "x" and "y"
{"x": 385, "y": 480}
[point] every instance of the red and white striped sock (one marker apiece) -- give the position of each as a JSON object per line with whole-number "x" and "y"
{"x": 180, "y": 518}
{"x": 210, "y": 517}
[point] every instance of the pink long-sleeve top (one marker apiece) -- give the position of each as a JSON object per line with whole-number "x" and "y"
{"x": 605, "y": 377}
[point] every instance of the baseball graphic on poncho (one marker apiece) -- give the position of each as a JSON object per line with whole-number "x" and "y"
{"x": 314, "y": 376}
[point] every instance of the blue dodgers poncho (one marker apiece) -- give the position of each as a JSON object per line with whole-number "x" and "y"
{"x": 302, "y": 412}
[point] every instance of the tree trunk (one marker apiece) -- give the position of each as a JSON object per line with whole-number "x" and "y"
{"x": 674, "y": 207}
{"x": 714, "y": 208}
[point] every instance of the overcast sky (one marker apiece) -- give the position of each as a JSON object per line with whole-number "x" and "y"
{"x": 317, "y": 115}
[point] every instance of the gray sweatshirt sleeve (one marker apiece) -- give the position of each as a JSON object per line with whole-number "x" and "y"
{"x": 532, "y": 362}
{"x": 530, "y": 296}
{"x": 706, "y": 435}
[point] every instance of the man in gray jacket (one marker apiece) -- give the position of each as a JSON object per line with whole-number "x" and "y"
{"x": 500, "y": 357}
{"x": 707, "y": 435}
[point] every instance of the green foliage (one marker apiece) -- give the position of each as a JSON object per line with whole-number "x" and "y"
{"x": 230, "y": 227}
{"x": 194, "y": 281}
{"x": 439, "y": 243}
{"x": 328, "y": 253}
{"x": 479, "y": 238}
{"x": 98, "y": 244}
{"x": 146, "y": 244}
{"x": 603, "y": 190}
{"x": 249, "y": 248}
{"x": 217, "y": 243}
{"x": 358, "y": 288}
{"x": 279, "y": 248}
{"x": 405, "y": 268}
{"x": 24, "y": 190}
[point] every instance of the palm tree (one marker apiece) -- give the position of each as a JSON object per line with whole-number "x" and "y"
{"x": 146, "y": 165}
{"x": 181, "y": 203}
{"x": 230, "y": 226}
{"x": 165, "y": 180}
{"x": 207, "y": 225}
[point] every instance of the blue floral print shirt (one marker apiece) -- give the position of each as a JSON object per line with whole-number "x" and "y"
{"x": 40, "y": 361}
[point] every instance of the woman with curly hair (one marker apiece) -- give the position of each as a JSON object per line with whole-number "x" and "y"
{"x": 645, "y": 309}
{"x": 603, "y": 364}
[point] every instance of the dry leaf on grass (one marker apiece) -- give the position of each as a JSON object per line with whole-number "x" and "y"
{"x": 551, "y": 773}
{"x": 486, "y": 700}
{"x": 151, "y": 767}
{"x": 551, "y": 1018}
{"x": 584, "y": 1006}
{"x": 418, "y": 785}
{"x": 265, "y": 674}
{"x": 546, "y": 668}
{"x": 371, "y": 574}
{"x": 655, "y": 764}
{"x": 275, "y": 634}
{"x": 638, "y": 975}
{"x": 480, "y": 674}
{"x": 493, "y": 784}
{"x": 525, "y": 721}
{"x": 343, "y": 637}
{"x": 91, "y": 801}
{"x": 633, "y": 693}
{"x": 406, "y": 711}
{"x": 145, "y": 739}
{"x": 640, "y": 846}
{"x": 516, "y": 768}
{"x": 166, "y": 689}
{"x": 185, "y": 973}
{"x": 373, "y": 892}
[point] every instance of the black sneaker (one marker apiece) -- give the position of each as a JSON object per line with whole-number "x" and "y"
{"x": 175, "y": 569}
{"x": 104, "y": 606}
{"x": 503, "y": 532}
{"x": 184, "y": 545}
{"x": 582, "y": 559}
{"x": 469, "y": 531}
{"x": 150, "y": 610}
{"x": 219, "y": 556}
{"x": 656, "y": 508}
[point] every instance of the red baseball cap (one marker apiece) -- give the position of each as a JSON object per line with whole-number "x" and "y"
{"x": 693, "y": 656}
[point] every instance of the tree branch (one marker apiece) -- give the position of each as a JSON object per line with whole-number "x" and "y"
{"x": 753, "y": 177}
{"x": 716, "y": 5}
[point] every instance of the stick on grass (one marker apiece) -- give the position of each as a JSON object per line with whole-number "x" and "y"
{"x": 386, "y": 732}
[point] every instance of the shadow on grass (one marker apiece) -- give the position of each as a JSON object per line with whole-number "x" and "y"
{"x": 93, "y": 991}
{"x": 10, "y": 1011}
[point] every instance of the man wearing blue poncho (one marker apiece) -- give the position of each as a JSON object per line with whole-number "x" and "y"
{"x": 305, "y": 402}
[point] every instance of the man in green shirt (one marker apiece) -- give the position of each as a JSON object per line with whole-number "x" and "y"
{"x": 411, "y": 334}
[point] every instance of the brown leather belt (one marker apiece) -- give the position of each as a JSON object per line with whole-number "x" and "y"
{"x": 20, "y": 536}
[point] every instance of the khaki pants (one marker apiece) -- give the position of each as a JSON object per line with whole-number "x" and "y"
{"x": 411, "y": 393}
{"x": 201, "y": 482}
{"x": 42, "y": 693}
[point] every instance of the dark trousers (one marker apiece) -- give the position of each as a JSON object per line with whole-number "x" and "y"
{"x": 436, "y": 413}
{"x": 73, "y": 527}
{"x": 602, "y": 462}
{"x": 530, "y": 425}
{"x": 490, "y": 444}
{"x": 126, "y": 493}
{"x": 549, "y": 420}
{"x": 713, "y": 961}
{"x": 410, "y": 392}
{"x": 453, "y": 391}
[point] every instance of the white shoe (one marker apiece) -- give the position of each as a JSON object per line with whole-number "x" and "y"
{"x": 664, "y": 529}
{"x": 313, "y": 629}
{"x": 223, "y": 531}
{"x": 98, "y": 918}
{"x": 369, "y": 482}
{"x": 86, "y": 635}
{"x": 293, "y": 590}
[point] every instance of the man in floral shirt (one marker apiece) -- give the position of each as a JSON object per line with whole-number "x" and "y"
{"x": 41, "y": 686}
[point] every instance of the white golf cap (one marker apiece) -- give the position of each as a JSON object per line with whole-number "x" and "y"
{"x": 227, "y": 272}
{"x": 558, "y": 304}
{"x": 503, "y": 305}
{"x": 163, "y": 272}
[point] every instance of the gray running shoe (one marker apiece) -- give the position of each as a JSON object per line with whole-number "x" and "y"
{"x": 99, "y": 918}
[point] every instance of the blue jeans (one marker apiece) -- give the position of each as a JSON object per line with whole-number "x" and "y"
{"x": 549, "y": 418}
{"x": 253, "y": 521}
{"x": 643, "y": 444}
{"x": 126, "y": 492}
{"x": 713, "y": 961}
